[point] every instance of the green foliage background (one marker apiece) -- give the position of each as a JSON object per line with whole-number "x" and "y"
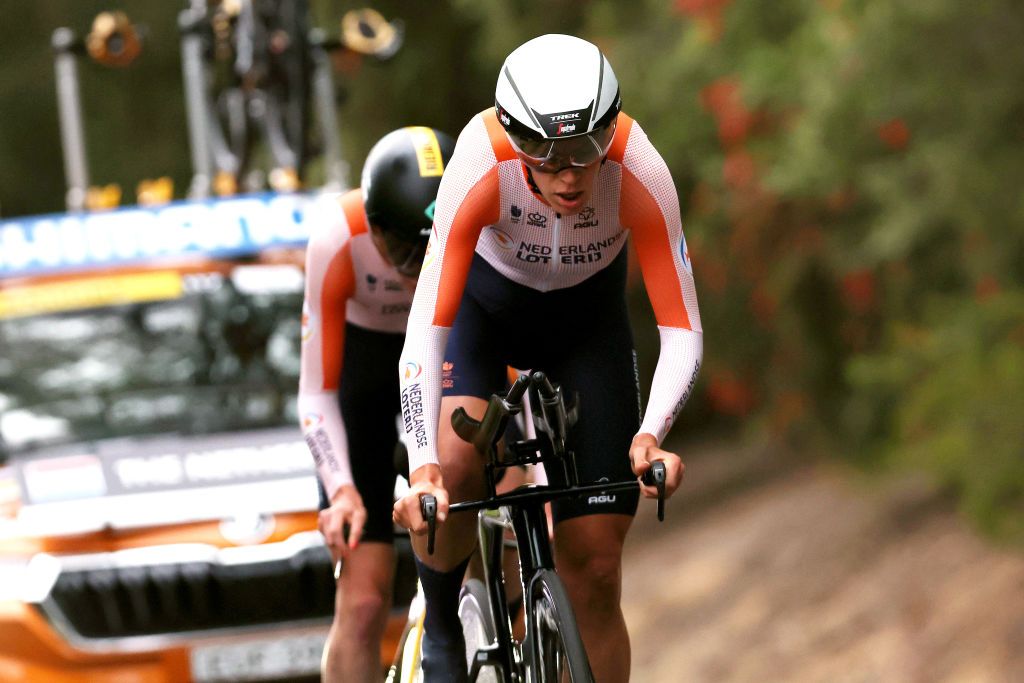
{"x": 849, "y": 172}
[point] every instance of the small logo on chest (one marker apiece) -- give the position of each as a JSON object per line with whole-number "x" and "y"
{"x": 586, "y": 219}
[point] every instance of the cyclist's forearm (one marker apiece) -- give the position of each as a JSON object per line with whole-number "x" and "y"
{"x": 322, "y": 425}
{"x": 674, "y": 377}
{"x": 419, "y": 375}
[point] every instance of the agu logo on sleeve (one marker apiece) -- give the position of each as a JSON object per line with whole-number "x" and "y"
{"x": 503, "y": 239}
{"x": 431, "y": 252}
{"x": 412, "y": 371}
{"x": 312, "y": 420}
{"x": 685, "y": 253}
{"x": 306, "y": 331}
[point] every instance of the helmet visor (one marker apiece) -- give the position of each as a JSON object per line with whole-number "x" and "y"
{"x": 578, "y": 151}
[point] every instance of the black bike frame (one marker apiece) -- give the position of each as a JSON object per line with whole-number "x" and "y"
{"x": 525, "y": 505}
{"x": 525, "y": 516}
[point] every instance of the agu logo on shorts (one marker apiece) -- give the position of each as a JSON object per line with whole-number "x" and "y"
{"x": 602, "y": 498}
{"x": 428, "y": 151}
{"x": 312, "y": 420}
{"x": 412, "y": 371}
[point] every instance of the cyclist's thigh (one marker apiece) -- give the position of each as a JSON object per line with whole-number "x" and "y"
{"x": 474, "y": 364}
{"x": 369, "y": 400}
{"x": 474, "y": 368}
{"x": 601, "y": 366}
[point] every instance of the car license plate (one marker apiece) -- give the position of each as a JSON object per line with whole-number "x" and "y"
{"x": 254, "y": 660}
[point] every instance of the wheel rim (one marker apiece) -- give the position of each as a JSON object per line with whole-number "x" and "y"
{"x": 552, "y": 666}
{"x": 475, "y": 634}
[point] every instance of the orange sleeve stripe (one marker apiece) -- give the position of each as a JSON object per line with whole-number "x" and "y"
{"x": 339, "y": 286}
{"x": 480, "y": 207}
{"x": 499, "y": 141}
{"x": 355, "y": 214}
{"x": 617, "y": 152}
{"x": 640, "y": 212}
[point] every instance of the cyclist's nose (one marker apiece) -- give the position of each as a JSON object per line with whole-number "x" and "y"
{"x": 569, "y": 174}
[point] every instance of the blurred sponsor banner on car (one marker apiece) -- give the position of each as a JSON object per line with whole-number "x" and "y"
{"x": 214, "y": 228}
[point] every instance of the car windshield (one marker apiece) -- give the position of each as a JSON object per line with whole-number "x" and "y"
{"x": 219, "y": 351}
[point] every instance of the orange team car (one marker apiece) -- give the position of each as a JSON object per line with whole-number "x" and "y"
{"x": 157, "y": 502}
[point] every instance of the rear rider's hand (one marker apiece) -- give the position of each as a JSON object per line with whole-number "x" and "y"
{"x": 426, "y": 479}
{"x": 643, "y": 452}
{"x": 346, "y": 514}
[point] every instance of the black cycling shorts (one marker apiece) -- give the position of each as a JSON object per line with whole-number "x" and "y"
{"x": 580, "y": 336}
{"x": 369, "y": 399}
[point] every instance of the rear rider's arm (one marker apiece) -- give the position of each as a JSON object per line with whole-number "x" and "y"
{"x": 330, "y": 283}
{"x": 650, "y": 208}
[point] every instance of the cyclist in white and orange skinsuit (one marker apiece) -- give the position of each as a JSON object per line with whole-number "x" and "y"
{"x": 361, "y": 269}
{"x": 526, "y": 267}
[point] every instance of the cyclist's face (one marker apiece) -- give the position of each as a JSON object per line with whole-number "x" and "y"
{"x": 405, "y": 258}
{"x": 567, "y": 190}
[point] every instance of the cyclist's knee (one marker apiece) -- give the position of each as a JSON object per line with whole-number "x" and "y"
{"x": 362, "y": 617}
{"x": 589, "y": 558}
{"x": 461, "y": 465}
{"x": 595, "y": 576}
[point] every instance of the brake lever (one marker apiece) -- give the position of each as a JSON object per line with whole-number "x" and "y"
{"x": 428, "y": 508}
{"x": 656, "y": 476}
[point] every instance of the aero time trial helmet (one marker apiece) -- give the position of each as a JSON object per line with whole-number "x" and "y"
{"x": 558, "y": 99}
{"x": 400, "y": 180}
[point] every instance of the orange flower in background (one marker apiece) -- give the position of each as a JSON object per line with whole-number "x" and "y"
{"x": 712, "y": 275}
{"x": 725, "y": 102}
{"x": 859, "y": 290}
{"x": 808, "y": 239}
{"x": 986, "y": 288}
{"x": 709, "y": 12}
{"x": 703, "y": 201}
{"x": 729, "y": 394}
{"x": 764, "y": 306}
{"x": 894, "y": 133}
{"x": 719, "y": 94}
{"x": 739, "y": 170}
{"x": 841, "y": 200}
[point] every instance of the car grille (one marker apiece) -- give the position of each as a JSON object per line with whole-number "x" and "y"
{"x": 112, "y": 600}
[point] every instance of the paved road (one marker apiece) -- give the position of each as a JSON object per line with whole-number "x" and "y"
{"x": 777, "y": 571}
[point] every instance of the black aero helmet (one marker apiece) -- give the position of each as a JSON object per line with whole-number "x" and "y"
{"x": 400, "y": 180}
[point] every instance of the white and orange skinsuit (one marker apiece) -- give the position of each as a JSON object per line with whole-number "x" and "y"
{"x": 486, "y": 206}
{"x": 347, "y": 281}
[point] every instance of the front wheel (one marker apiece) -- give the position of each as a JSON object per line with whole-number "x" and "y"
{"x": 555, "y": 648}
{"x": 406, "y": 667}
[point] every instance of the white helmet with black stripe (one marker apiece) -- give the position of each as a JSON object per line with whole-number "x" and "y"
{"x": 558, "y": 100}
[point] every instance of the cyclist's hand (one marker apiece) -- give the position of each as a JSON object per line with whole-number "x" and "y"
{"x": 643, "y": 452}
{"x": 346, "y": 514}
{"x": 426, "y": 479}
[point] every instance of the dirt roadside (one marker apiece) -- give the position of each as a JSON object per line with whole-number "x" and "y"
{"x": 771, "y": 570}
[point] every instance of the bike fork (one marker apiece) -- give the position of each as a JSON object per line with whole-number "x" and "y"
{"x": 490, "y": 529}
